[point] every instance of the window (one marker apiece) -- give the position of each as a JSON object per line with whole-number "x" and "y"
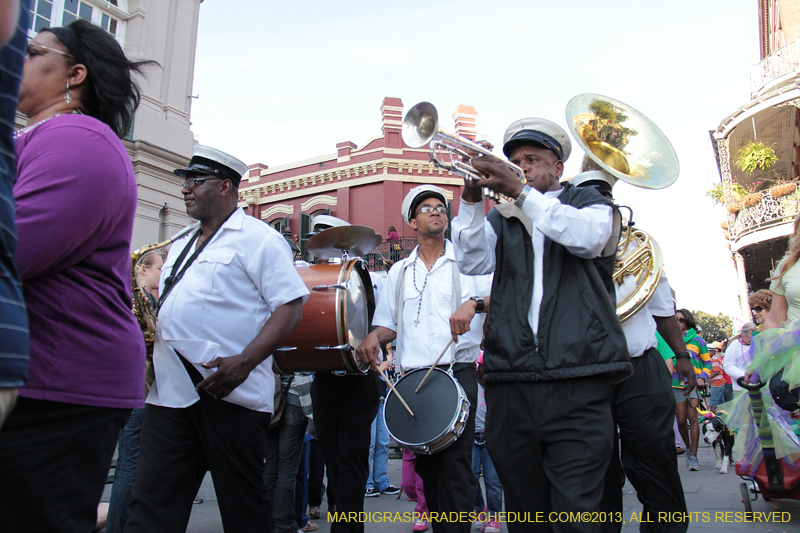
{"x": 73, "y": 9}
{"x": 109, "y": 24}
{"x": 42, "y": 15}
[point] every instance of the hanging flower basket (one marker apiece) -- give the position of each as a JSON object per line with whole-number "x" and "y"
{"x": 733, "y": 208}
{"x": 727, "y": 237}
{"x": 784, "y": 189}
{"x": 724, "y": 225}
{"x": 751, "y": 199}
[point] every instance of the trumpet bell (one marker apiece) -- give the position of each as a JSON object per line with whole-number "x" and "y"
{"x": 622, "y": 141}
{"x": 420, "y": 125}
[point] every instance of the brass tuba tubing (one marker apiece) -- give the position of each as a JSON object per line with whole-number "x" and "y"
{"x": 421, "y": 128}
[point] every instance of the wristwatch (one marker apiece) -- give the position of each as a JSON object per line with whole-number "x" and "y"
{"x": 521, "y": 198}
{"x": 480, "y": 304}
{"x": 683, "y": 355}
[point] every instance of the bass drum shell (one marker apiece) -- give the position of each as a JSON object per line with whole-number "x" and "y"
{"x": 335, "y": 320}
{"x": 441, "y": 409}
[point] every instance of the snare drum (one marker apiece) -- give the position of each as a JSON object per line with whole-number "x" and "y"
{"x": 441, "y": 409}
{"x": 335, "y": 321}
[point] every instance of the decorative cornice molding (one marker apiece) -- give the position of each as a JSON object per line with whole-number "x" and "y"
{"x": 324, "y": 180}
{"x": 321, "y": 199}
{"x": 280, "y": 209}
{"x": 356, "y": 182}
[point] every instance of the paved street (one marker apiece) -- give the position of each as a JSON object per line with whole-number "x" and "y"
{"x": 712, "y": 498}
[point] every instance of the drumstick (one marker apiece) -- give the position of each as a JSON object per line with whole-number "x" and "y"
{"x": 432, "y": 367}
{"x": 395, "y": 391}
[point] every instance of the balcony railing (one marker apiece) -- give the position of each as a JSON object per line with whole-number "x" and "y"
{"x": 393, "y": 251}
{"x": 775, "y": 65}
{"x": 767, "y": 212}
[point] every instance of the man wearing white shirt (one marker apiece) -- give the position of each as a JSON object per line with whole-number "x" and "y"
{"x": 553, "y": 341}
{"x": 230, "y": 295}
{"x": 643, "y": 406}
{"x": 425, "y": 303}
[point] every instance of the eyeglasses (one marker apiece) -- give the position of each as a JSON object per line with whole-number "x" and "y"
{"x": 29, "y": 49}
{"x": 758, "y": 308}
{"x": 191, "y": 182}
{"x": 681, "y": 320}
{"x": 427, "y": 210}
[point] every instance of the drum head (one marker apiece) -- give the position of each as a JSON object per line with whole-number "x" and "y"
{"x": 436, "y": 407}
{"x": 355, "y": 304}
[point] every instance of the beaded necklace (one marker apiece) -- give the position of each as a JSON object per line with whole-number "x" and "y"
{"x": 424, "y": 284}
{"x": 26, "y": 129}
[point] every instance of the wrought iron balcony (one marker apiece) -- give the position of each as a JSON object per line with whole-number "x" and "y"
{"x": 767, "y": 212}
{"x": 391, "y": 250}
{"x": 780, "y": 62}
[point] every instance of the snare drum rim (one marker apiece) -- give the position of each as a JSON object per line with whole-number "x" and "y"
{"x": 348, "y": 356}
{"x": 433, "y": 445}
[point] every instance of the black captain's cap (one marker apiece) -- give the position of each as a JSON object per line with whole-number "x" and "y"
{"x": 538, "y": 131}
{"x": 212, "y": 162}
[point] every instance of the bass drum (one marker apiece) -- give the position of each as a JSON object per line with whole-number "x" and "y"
{"x": 335, "y": 321}
{"x": 440, "y": 411}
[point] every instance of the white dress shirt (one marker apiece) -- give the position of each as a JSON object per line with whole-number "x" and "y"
{"x": 640, "y": 329}
{"x": 422, "y": 342}
{"x": 223, "y": 301}
{"x": 583, "y": 232}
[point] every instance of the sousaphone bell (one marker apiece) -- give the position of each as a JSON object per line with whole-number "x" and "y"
{"x": 625, "y": 145}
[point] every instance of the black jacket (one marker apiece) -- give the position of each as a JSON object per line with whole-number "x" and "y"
{"x": 579, "y": 333}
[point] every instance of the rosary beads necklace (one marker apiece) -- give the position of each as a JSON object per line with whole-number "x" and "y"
{"x": 425, "y": 283}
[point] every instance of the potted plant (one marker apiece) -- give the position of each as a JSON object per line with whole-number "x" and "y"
{"x": 756, "y": 156}
{"x": 783, "y": 188}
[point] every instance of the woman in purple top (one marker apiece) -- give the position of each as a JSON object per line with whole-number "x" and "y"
{"x": 76, "y": 198}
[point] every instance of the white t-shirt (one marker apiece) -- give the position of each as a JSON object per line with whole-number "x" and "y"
{"x": 422, "y": 342}
{"x": 223, "y": 301}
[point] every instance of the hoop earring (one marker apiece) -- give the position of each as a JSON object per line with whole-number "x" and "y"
{"x": 68, "y": 96}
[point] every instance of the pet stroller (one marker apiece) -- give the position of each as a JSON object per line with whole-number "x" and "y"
{"x": 770, "y": 458}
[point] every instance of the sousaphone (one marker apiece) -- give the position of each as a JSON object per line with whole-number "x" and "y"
{"x": 625, "y": 145}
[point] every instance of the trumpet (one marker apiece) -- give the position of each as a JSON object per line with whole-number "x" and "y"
{"x": 421, "y": 127}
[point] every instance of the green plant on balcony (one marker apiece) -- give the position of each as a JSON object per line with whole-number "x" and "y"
{"x": 756, "y": 156}
{"x": 718, "y": 196}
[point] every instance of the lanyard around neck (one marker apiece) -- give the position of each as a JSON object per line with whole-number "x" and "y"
{"x": 174, "y": 278}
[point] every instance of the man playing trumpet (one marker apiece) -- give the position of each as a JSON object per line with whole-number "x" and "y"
{"x": 553, "y": 342}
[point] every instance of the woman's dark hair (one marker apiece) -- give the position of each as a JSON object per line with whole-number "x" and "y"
{"x": 391, "y": 228}
{"x": 110, "y": 95}
{"x": 690, "y": 322}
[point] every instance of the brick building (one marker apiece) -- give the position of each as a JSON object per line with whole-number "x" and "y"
{"x": 363, "y": 185}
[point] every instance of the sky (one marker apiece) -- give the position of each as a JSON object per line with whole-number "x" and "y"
{"x": 280, "y": 82}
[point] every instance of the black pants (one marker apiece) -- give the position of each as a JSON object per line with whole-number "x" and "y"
{"x": 316, "y": 476}
{"x": 550, "y": 442}
{"x": 644, "y": 410}
{"x": 179, "y": 445}
{"x": 344, "y": 407}
{"x": 447, "y": 476}
{"x": 54, "y": 461}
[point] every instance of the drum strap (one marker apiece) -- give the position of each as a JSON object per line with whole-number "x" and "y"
{"x": 455, "y": 302}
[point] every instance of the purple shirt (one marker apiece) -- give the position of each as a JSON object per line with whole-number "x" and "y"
{"x": 76, "y": 200}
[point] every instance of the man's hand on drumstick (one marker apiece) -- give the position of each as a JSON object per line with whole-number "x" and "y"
{"x": 460, "y": 320}
{"x": 369, "y": 350}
